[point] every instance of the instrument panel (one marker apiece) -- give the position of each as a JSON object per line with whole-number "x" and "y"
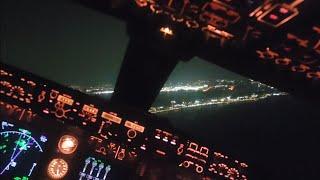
{"x": 223, "y": 20}
{"x": 75, "y": 135}
{"x": 279, "y": 37}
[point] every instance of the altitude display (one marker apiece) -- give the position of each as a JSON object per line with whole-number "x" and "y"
{"x": 20, "y": 151}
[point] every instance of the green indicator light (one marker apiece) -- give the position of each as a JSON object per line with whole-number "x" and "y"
{"x": 3, "y": 146}
{"x": 21, "y": 178}
{"x": 22, "y": 144}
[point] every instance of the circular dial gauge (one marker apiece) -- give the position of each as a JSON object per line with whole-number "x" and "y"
{"x": 57, "y": 168}
{"x": 67, "y": 144}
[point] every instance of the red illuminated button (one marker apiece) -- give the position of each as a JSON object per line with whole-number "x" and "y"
{"x": 284, "y": 10}
{"x": 273, "y": 17}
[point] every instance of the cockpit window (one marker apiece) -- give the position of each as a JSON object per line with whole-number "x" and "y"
{"x": 198, "y": 84}
{"x": 84, "y": 50}
{"x": 64, "y": 42}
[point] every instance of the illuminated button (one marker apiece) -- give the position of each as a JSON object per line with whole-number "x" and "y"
{"x": 111, "y": 117}
{"x": 90, "y": 109}
{"x": 199, "y": 169}
{"x": 278, "y": 15}
{"x": 66, "y": 100}
{"x": 273, "y": 17}
{"x": 67, "y": 144}
{"x": 57, "y": 168}
{"x": 141, "y": 3}
{"x": 173, "y": 142}
{"x": 283, "y": 10}
{"x": 54, "y": 94}
{"x": 131, "y": 133}
{"x": 166, "y": 31}
{"x": 134, "y": 126}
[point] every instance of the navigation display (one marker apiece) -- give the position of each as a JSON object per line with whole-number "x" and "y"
{"x": 20, "y": 150}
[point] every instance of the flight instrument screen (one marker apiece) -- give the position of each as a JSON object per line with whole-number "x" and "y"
{"x": 20, "y": 150}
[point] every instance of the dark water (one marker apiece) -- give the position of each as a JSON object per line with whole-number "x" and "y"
{"x": 278, "y": 137}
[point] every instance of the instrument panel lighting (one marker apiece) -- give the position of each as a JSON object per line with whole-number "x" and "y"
{"x": 166, "y": 31}
{"x": 67, "y": 144}
{"x": 57, "y": 168}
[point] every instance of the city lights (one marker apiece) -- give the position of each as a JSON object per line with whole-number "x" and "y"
{"x": 216, "y": 92}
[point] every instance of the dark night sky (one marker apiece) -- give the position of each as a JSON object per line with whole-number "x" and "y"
{"x": 71, "y": 44}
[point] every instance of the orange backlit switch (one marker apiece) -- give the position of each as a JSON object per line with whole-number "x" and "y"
{"x": 134, "y": 126}
{"x": 65, "y": 100}
{"x": 111, "y": 117}
{"x": 278, "y": 15}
